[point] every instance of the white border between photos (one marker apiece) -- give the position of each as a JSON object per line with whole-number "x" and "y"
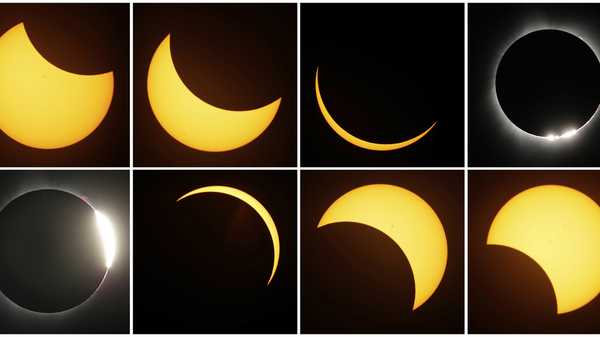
{"x": 298, "y": 168}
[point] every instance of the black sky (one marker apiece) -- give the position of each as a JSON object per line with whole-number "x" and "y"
{"x": 201, "y": 265}
{"x": 386, "y": 73}
{"x": 546, "y": 82}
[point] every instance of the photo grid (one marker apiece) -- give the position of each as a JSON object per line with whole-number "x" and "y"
{"x": 299, "y": 167}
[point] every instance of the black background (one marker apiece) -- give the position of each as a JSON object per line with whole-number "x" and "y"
{"x": 547, "y": 81}
{"x": 508, "y": 291}
{"x": 84, "y": 39}
{"x": 108, "y": 310}
{"x": 355, "y": 279}
{"x": 234, "y": 56}
{"x": 386, "y": 73}
{"x": 201, "y": 265}
{"x": 492, "y": 27}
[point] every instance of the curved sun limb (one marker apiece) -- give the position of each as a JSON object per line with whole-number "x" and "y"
{"x": 256, "y": 205}
{"x": 355, "y": 140}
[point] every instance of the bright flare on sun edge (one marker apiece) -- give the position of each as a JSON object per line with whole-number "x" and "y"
{"x": 407, "y": 220}
{"x": 559, "y": 228}
{"x": 107, "y": 235}
{"x": 567, "y": 134}
{"x": 256, "y": 205}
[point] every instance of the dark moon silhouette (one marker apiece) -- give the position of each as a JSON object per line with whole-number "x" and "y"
{"x": 547, "y": 82}
{"x": 51, "y": 253}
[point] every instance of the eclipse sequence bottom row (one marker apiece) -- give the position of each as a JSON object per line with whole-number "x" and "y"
{"x": 380, "y": 251}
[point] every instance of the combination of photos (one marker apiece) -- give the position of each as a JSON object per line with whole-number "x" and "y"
{"x": 299, "y": 168}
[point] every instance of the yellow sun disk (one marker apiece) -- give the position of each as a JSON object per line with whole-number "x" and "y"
{"x": 256, "y": 205}
{"x": 194, "y": 122}
{"x": 559, "y": 228}
{"x": 355, "y": 140}
{"x": 43, "y": 106}
{"x": 406, "y": 219}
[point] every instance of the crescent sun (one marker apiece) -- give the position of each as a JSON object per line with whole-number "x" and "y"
{"x": 43, "y": 106}
{"x": 256, "y": 205}
{"x": 559, "y": 228}
{"x": 355, "y": 140}
{"x": 406, "y": 219}
{"x": 192, "y": 121}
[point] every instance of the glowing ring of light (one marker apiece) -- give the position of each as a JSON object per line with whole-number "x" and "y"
{"x": 407, "y": 220}
{"x": 256, "y": 205}
{"x": 109, "y": 245}
{"x": 570, "y": 133}
{"x": 355, "y": 140}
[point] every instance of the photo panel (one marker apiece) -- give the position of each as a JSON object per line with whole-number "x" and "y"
{"x": 382, "y": 252}
{"x": 64, "y": 252}
{"x": 215, "y": 85}
{"x": 64, "y": 85}
{"x": 533, "y": 88}
{"x": 215, "y": 252}
{"x": 534, "y": 247}
{"x": 382, "y": 85}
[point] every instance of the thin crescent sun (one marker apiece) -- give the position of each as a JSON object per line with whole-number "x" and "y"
{"x": 256, "y": 205}
{"x": 407, "y": 220}
{"x": 43, "y": 106}
{"x": 559, "y": 228}
{"x": 192, "y": 121}
{"x": 355, "y": 140}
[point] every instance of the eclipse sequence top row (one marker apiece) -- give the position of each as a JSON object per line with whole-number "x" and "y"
{"x": 380, "y": 85}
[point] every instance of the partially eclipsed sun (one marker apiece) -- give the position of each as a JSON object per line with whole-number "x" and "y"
{"x": 42, "y": 106}
{"x": 559, "y": 228}
{"x": 192, "y": 121}
{"x": 406, "y": 219}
